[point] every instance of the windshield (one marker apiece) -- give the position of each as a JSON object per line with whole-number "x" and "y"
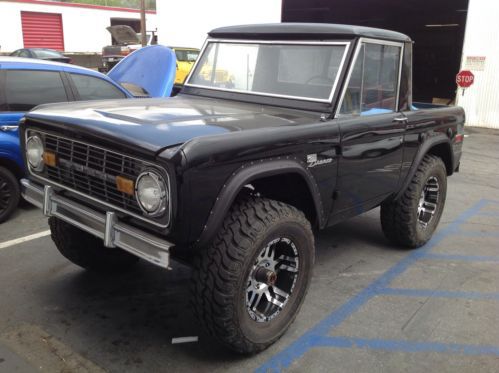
{"x": 186, "y": 55}
{"x": 305, "y": 71}
{"x": 47, "y": 53}
{"x": 148, "y": 38}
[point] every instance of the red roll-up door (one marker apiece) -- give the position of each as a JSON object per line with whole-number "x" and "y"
{"x": 42, "y": 30}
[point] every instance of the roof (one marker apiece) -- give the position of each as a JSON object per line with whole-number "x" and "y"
{"x": 304, "y": 31}
{"x": 7, "y": 62}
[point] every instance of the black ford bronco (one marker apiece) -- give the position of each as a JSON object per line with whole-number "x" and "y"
{"x": 280, "y": 130}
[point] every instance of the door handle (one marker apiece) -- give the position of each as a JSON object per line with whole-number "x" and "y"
{"x": 8, "y": 128}
{"x": 400, "y": 119}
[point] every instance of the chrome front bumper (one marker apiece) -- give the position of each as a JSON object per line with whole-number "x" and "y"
{"x": 105, "y": 226}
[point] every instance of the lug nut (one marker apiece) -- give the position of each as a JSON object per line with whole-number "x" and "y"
{"x": 265, "y": 275}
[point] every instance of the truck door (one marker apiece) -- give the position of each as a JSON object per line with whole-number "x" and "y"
{"x": 371, "y": 129}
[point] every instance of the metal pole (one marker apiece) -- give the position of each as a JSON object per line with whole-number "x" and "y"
{"x": 143, "y": 22}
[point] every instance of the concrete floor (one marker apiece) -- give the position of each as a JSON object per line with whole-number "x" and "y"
{"x": 371, "y": 306}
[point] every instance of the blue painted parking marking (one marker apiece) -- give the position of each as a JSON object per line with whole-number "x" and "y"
{"x": 464, "y": 258}
{"x": 489, "y": 213}
{"x": 430, "y": 293}
{"x": 408, "y": 346}
{"x": 318, "y": 335}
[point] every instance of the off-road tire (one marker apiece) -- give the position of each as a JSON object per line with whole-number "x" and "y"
{"x": 88, "y": 251}
{"x": 399, "y": 218}
{"x": 221, "y": 271}
{"x": 9, "y": 193}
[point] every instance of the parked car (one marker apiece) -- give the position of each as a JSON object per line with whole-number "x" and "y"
{"x": 186, "y": 57}
{"x": 26, "y": 83}
{"x": 127, "y": 41}
{"x": 41, "y": 54}
{"x": 317, "y": 126}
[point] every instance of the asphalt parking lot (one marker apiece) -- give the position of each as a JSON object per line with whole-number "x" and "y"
{"x": 371, "y": 306}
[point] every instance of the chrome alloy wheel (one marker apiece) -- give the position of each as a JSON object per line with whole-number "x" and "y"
{"x": 428, "y": 201}
{"x": 272, "y": 279}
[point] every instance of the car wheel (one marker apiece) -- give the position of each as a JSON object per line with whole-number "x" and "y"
{"x": 248, "y": 286}
{"x": 9, "y": 193}
{"x": 88, "y": 251}
{"x": 411, "y": 220}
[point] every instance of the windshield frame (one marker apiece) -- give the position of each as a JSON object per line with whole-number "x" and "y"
{"x": 346, "y": 44}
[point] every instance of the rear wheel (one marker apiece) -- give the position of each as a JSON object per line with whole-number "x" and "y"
{"x": 88, "y": 251}
{"x": 9, "y": 193}
{"x": 411, "y": 220}
{"x": 248, "y": 286}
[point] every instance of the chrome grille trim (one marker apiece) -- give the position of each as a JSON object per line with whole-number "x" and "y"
{"x": 90, "y": 171}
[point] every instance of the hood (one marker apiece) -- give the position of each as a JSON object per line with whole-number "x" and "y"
{"x": 124, "y": 34}
{"x": 149, "y": 70}
{"x": 150, "y": 125}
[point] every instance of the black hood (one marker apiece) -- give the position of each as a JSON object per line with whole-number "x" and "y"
{"x": 154, "y": 124}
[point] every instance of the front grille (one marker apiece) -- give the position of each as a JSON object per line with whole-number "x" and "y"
{"x": 92, "y": 171}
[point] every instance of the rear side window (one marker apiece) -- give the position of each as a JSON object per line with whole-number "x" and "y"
{"x": 24, "y": 53}
{"x": 373, "y": 84}
{"x": 91, "y": 88}
{"x": 25, "y": 89}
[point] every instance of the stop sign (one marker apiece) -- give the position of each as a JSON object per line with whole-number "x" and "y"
{"x": 465, "y": 78}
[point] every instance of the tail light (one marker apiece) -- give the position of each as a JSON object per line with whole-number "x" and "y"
{"x": 124, "y": 51}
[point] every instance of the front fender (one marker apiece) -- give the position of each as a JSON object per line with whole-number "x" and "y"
{"x": 248, "y": 173}
{"x": 10, "y": 149}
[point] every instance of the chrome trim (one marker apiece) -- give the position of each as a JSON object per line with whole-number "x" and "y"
{"x": 163, "y": 197}
{"x": 287, "y": 42}
{"x": 356, "y": 54}
{"x": 104, "y": 226}
{"x": 7, "y": 128}
{"x": 402, "y": 53}
{"x": 47, "y": 200}
{"x": 106, "y": 204}
{"x": 108, "y": 232}
{"x": 35, "y": 137}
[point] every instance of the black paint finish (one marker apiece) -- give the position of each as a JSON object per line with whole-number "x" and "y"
{"x": 212, "y": 147}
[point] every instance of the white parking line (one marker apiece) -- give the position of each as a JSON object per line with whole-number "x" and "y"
{"x": 19, "y": 240}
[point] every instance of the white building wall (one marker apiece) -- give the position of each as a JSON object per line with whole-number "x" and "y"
{"x": 481, "y": 100}
{"x": 185, "y": 23}
{"x": 84, "y": 28}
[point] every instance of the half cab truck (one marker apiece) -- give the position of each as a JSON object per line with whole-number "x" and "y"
{"x": 316, "y": 126}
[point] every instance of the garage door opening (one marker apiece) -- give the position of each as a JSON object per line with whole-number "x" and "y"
{"x": 437, "y": 27}
{"x": 42, "y": 30}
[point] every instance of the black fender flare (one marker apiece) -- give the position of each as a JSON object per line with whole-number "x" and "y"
{"x": 245, "y": 175}
{"x": 423, "y": 150}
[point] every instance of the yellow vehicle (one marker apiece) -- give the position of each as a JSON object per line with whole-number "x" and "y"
{"x": 185, "y": 59}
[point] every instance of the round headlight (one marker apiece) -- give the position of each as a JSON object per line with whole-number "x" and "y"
{"x": 151, "y": 193}
{"x": 34, "y": 152}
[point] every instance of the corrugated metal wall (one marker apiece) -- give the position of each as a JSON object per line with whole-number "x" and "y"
{"x": 481, "y": 100}
{"x": 42, "y": 30}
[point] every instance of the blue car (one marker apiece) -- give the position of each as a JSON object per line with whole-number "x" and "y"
{"x": 26, "y": 83}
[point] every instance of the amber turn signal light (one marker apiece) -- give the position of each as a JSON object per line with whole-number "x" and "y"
{"x": 125, "y": 185}
{"x": 49, "y": 159}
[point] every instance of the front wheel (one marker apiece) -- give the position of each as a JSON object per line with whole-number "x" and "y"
{"x": 248, "y": 286}
{"x": 9, "y": 193}
{"x": 411, "y": 220}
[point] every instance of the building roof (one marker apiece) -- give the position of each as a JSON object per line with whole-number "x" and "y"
{"x": 304, "y": 31}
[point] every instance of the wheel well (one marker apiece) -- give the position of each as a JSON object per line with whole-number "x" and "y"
{"x": 443, "y": 151}
{"x": 289, "y": 188}
{"x": 12, "y": 167}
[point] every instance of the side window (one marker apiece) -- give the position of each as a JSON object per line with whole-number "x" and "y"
{"x": 91, "y": 88}
{"x": 24, "y": 53}
{"x": 25, "y": 89}
{"x": 372, "y": 88}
